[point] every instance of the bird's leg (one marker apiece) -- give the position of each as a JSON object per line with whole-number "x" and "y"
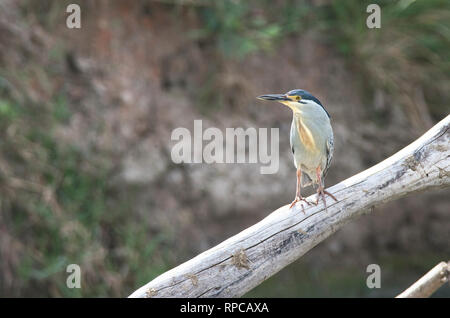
{"x": 298, "y": 196}
{"x": 321, "y": 191}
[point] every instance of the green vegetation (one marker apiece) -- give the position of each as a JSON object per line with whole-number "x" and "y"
{"x": 407, "y": 60}
{"x": 243, "y": 27}
{"x": 56, "y": 210}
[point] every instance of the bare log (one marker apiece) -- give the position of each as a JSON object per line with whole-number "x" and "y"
{"x": 429, "y": 283}
{"x": 243, "y": 261}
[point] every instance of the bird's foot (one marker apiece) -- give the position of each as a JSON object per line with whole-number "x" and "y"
{"x": 321, "y": 193}
{"x": 329, "y": 194}
{"x": 298, "y": 199}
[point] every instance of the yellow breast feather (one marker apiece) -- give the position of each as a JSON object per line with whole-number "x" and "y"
{"x": 305, "y": 134}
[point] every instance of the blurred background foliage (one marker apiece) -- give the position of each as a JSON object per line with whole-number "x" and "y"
{"x": 415, "y": 36}
{"x": 58, "y": 202}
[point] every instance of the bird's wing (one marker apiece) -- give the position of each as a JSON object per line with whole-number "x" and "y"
{"x": 292, "y": 135}
{"x": 329, "y": 152}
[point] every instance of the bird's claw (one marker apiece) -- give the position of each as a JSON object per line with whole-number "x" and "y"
{"x": 329, "y": 194}
{"x": 298, "y": 199}
{"x": 325, "y": 192}
{"x": 321, "y": 193}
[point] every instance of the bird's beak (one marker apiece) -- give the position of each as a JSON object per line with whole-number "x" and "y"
{"x": 277, "y": 97}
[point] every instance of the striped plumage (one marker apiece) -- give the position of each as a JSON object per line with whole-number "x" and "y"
{"x": 311, "y": 138}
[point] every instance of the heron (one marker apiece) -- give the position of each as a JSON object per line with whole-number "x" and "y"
{"x": 311, "y": 140}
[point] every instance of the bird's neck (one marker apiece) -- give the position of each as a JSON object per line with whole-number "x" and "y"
{"x": 304, "y": 131}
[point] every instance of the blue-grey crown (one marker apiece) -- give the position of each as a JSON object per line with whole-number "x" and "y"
{"x": 305, "y": 95}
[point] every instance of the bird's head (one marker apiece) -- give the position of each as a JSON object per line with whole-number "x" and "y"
{"x": 294, "y": 99}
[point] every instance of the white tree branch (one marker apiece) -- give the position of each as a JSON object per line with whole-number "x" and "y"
{"x": 429, "y": 283}
{"x": 242, "y": 262}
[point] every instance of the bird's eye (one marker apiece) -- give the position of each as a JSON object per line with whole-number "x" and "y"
{"x": 297, "y": 98}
